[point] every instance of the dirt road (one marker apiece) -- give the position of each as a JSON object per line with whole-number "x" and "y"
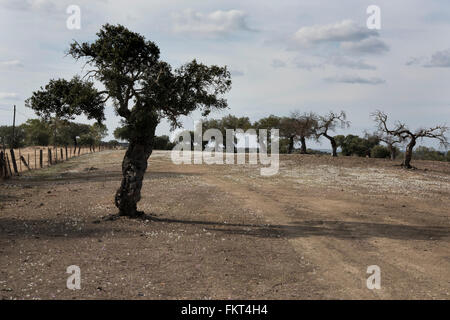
{"x": 224, "y": 231}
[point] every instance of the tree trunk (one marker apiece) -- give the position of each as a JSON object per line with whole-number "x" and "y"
{"x": 303, "y": 145}
{"x": 333, "y": 145}
{"x": 392, "y": 152}
{"x": 408, "y": 154}
{"x": 291, "y": 145}
{"x": 75, "y": 144}
{"x": 134, "y": 166}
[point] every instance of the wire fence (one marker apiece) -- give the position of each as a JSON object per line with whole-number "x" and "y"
{"x": 16, "y": 161}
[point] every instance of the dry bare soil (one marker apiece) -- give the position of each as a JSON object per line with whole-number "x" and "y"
{"x": 226, "y": 232}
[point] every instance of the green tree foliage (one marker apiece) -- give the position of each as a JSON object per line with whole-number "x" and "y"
{"x": 162, "y": 143}
{"x": 113, "y": 144}
{"x": 380, "y": 151}
{"x": 121, "y": 133}
{"x": 354, "y": 145}
{"x": 69, "y": 133}
{"x": 37, "y": 132}
{"x": 6, "y": 137}
{"x": 426, "y": 153}
{"x": 63, "y": 100}
{"x": 227, "y": 122}
{"x": 142, "y": 88}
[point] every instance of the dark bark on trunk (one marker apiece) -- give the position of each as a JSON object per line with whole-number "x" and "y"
{"x": 134, "y": 166}
{"x": 408, "y": 154}
{"x": 333, "y": 144}
{"x": 291, "y": 145}
{"x": 75, "y": 143}
{"x": 303, "y": 145}
{"x": 392, "y": 153}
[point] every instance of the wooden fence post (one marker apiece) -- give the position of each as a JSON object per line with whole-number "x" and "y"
{"x": 67, "y": 154}
{"x": 24, "y": 162}
{"x": 20, "y": 163}
{"x": 9, "y": 164}
{"x": 41, "y": 158}
{"x": 13, "y": 160}
{"x": 50, "y": 162}
{"x": 3, "y": 168}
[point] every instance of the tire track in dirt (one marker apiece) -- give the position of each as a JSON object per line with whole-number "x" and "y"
{"x": 341, "y": 262}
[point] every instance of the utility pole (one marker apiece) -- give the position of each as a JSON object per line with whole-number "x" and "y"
{"x": 14, "y": 126}
{"x": 13, "y": 157}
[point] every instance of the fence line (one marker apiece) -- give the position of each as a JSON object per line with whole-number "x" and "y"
{"x": 16, "y": 161}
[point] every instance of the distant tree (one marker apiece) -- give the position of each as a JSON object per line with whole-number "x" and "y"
{"x": 70, "y": 132}
{"x": 64, "y": 100}
{"x": 329, "y": 123}
{"x": 391, "y": 142}
{"x": 426, "y": 153}
{"x": 37, "y": 132}
{"x": 162, "y": 143}
{"x": 98, "y": 131}
{"x": 288, "y": 130}
{"x": 354, "y": 145}
{"x": 61, "y": 100}
{"x": 305, "y": 126}
{"x": 227, "y": 122}
{"x": 6, "y": 137}
{"x": 86, "y": 140}
{"x": 121, "y": 133}
{"x": 269, "y": 123}
{"x": 400, "y": 130}
{"x": 380, "y": 151}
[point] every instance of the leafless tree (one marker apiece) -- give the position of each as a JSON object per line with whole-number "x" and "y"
{"x": 404, "y": 134}
{"x": 330, "y": 123}
{"x": 305, "y": 125}
{"x": 390, "y": 142}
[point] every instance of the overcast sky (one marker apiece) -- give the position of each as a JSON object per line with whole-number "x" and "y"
{"x": 284, "y": 55}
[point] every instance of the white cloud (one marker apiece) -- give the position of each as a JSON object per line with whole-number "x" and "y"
{"x": 213, "y": 24}
{"x": 342, "y": 31}
{"x": 439, "y": 59}
{"x": 366, "y": 46}
{"x": 345, "y": 62}
{"x": 345, "y": 38}
{"x": 336, "y": 61}
{"x": 355, "y": 80}
{"x": 9, "y": 64}
{"x": 46, "y": 5}
{"x": 9, "y": 96}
